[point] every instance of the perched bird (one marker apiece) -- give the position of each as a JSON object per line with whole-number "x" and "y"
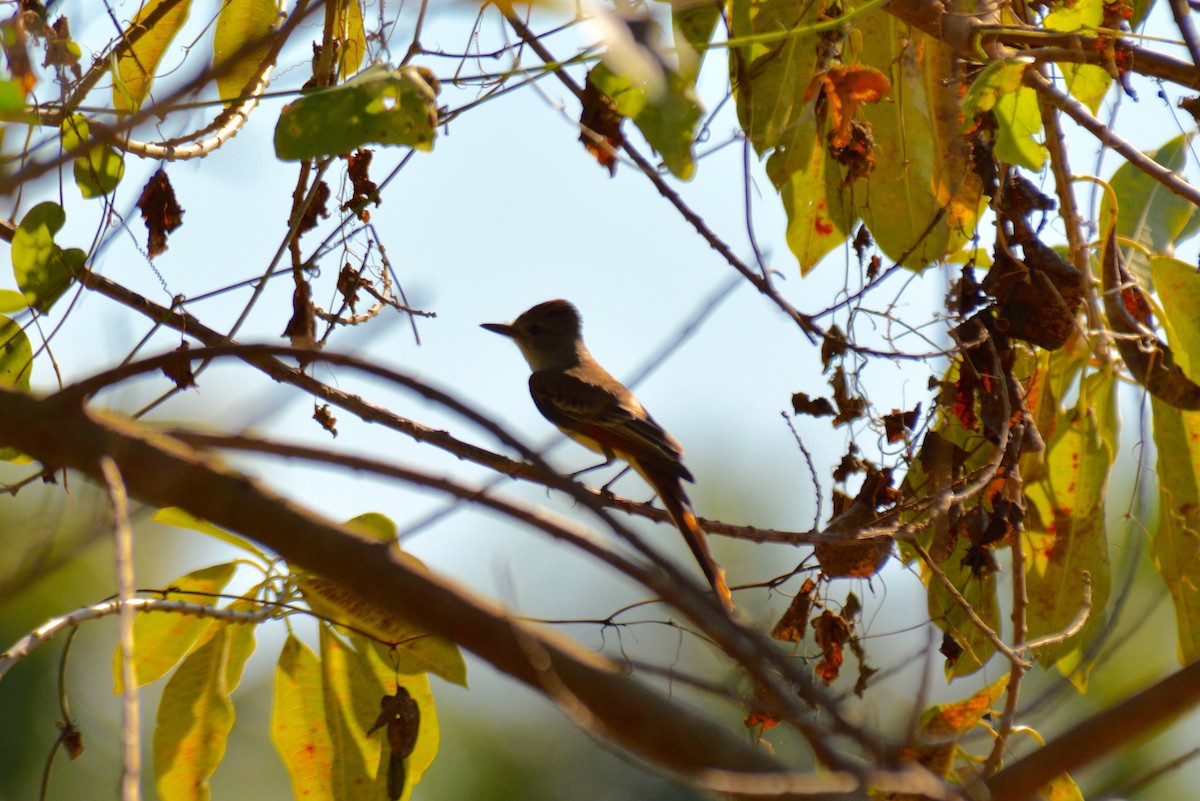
{"x": 574, "y": 392}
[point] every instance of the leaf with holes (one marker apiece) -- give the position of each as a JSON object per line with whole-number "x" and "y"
{"x": 379, "y": 106}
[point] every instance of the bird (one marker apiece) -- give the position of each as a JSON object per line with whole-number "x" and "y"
{"x": 575, "y": 393}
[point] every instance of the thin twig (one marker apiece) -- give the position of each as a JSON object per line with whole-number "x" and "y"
{"x": 131, "y": 749}
{"x": 1080, "y": 113}
{"x": 979, "y": 623}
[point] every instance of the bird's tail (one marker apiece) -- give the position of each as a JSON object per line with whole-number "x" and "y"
{"x": 670, "y": 491}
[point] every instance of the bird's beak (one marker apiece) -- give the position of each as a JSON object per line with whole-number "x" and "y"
{"x": 504, "y": 329}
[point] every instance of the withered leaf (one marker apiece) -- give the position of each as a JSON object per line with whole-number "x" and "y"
{"x": 601, "y": 124}
{"x": 72, "y": 739}
{"x": 160, "y": 211}
{"x": 853, "y": 559}
{"x": 179, "y": 369}
{"x": 832, "y": 345}
{"x": 761, "y": 715}
{"x": 794, "y": 622}
{"x": 302, "y": 327}
{"x": 348, "y": 284}
{"x": 1148, "y": 358}
{"x": 950, "y": 649}
{"x": 862, "y": 243}
{"x": 895, "y": 424}
{"x": 325, "y": 419}
{"x": 400, "y": 714}
{"x": 317, "y": 208}
{"x": 831, "y": 633}
{"x": 850, "y": 407}
{"x": 814, "y": 407}
{"x": 358, "y": 166}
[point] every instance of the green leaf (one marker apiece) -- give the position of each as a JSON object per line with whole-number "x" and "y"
{"x": 298, "y": 728}
{"x": 669, "y": 122}
{"x": 428, "y": 733}
{"x": 12, "y": 96}
{"x": 694, "y": 25}
{"x": 1177, "y": 439}
{"x": 243, "y": 26}
{"x": 1149, "y": 213}
{"x": 1178, "y": 286}
{"x": 820, "y": 215}
{"x": 1061, "y": 788}
{"x": 16, "y": 356}
{"x": 379, "y": 106}
{"x": 134, "y": 70}
{"x": 43, "y": 270}
{"x": 12, "y": 301}
{"x": 998, "y": 89}
{"x": 352, "y": 35}
{"x": 998, "y": 78}
{"x": 195, "y": 714}
{"x": 161, "y": 639}
{"x": 771, "y": 80}
{"x": 1088, "y": 83}
{"x": 1065, "y": 532}
{"x": 16, "y": 369}
{"x": 98, "y": 172}
{"x": 351, "y": 701}
{"x": 918, "y": 192}
{"x": 374, "y": 525}
{"x": 416, "y": 649}
{"x": 174, "y": 516}
{"x": 980, "y": 593}
{"x": 1020, "y": 119}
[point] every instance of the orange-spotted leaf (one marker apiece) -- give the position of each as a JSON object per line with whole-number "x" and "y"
{"x": 831, "y": 633}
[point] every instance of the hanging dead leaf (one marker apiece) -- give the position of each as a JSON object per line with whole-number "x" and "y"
{"x": 854, "y": 559}
{"x": 849, "y": 465}
{"x": 762, "y": 714}
{"x": 833, "y": 345}
{"x": 862, "y": 243}
{"x": 400, "y": 714}
{"x": 160, "y": 211}
{"x": 1038, "y": 297}
{"x": 302, "y": 327}
{"x": 850, "y": 407}
{"x": 950, "y": 649}
{"x": 358, "y": 166}
{"x": 1148, "y": 358}
{"x": 896, "y": 423}
{"x": 831, "y": 633}
{"x": 72, "y": 739}
{"x": 794, "y": 623}
{"x": 348, "y": 284}
{"x": 325, "y": 419}
{"x": 845, "y": 89}
{"x": 60, "y": 50}
{"x": 180, "y": 370}
{"x": 601, "y": 124}
{"x": 814, "y": 407}
{"x": 316, "y": 209}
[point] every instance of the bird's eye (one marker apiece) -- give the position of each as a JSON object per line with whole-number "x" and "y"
{"x": 535, "y": 329}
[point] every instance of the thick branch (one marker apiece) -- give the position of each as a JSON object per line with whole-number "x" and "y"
{"x": 1092, "y": 739}
{"x": 162, "y": 471}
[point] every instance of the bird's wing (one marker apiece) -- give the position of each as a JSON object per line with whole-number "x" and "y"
{"x": 608, "y": 414}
